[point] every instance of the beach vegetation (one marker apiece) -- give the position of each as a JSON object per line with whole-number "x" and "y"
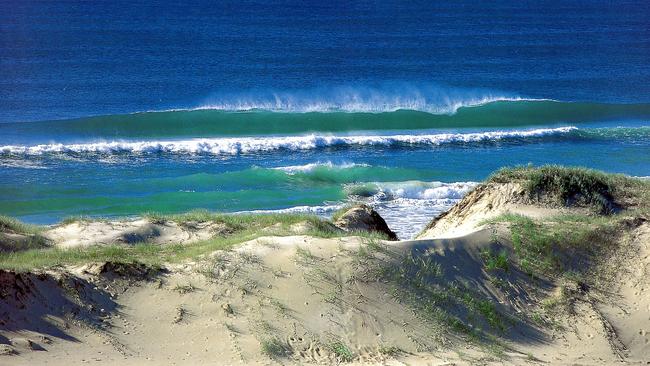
{"x": 391, "y": 351}
{"x": 273, "y": 347}
{"x": 241, "y": 228}
{"x": 495, "y": 260}
{"x": 9, "y": 224}
{"x": 568, "y": 186}
{"x": 341, "y": 350}
{"x": 185, "y": 289}
{"x": 16, "y": 236}
{"x": 558, "y": 244}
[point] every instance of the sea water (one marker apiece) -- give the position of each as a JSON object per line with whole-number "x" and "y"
{"x": 116, "y": 109}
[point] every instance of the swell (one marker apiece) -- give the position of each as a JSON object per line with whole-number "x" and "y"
{"x": 317, "y": 187}
{"x": 299, "y": 177}
{"x": 251, "y": 145}
{"x": 214, "y": 123}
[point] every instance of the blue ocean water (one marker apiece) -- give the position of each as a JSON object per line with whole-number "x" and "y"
{"x": 303, "y": 106}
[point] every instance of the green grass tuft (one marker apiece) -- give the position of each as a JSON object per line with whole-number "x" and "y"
{"x": 275, "y": 348}
{"x": 185, "y": 289}
{"x": 494, "y": 261}
{"x": 341, "y": 351}
{"x": 16, "y": 236}
{"x": 390, "y": 350}
{"x": 72, "y": 219}
{"x": 557, "y": 244}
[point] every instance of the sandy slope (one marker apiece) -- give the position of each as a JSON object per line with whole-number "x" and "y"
{"x": 306, "y": 299}
{"x": 307, "y": 293}
{"x": 264, "y": 289}
{"x": 483, "y": 203}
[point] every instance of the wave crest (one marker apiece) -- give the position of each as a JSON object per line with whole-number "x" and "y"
{"x": 411, "y": 190}
{"x": 382, "y": 97}
{"x": 247, "y": 145}
{"x": 293, "y": 169}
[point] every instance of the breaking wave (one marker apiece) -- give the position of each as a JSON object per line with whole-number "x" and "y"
{"x": 248, "y": 145}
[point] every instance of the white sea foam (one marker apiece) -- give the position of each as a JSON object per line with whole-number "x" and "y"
{"x": 245, "y": 145}
{"x": 406, "y": 206}
{"x": 293, "y": 169}
{"x": 323, "y": 211}
{"x": 423, "y": 190}
{"x": 22, "y": 164}
{"x": 383, "y": 97}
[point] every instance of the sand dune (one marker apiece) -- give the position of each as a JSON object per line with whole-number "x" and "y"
{"x": 298, "y": 299}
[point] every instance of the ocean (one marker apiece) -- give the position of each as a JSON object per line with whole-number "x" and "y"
{"x": 112, "y": 109}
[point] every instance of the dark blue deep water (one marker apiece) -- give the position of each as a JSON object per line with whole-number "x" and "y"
{"x": 69, "y": 59}
{"x": 302, "y": 105}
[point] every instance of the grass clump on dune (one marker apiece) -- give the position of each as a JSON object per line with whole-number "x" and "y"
{"x": 275, "y": 348}
{"x": 341, "y": 350}
{"x": 575, "y": 185}
{"x": 16, "y": 236}
{"x": 495, "y": 260}
{"x": 562, "y": 243}
{"x": 244, "y": 222}
{"x": 9, "y": 224}
{"x": 81, "y": 219}
{"x": 572, "y": 242}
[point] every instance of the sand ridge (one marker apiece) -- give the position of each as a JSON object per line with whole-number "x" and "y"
{"x": 85, "y": 233}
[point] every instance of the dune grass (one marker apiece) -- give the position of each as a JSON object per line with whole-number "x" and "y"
{"x": 243, "y": 227}
{"x": 10, "y": 224}
{"x": 275, "y": 348}
{"x": 341, "y": 350}
{"x": 566, "y": 185}
{"x": 17, "y": 236}
{"x": 242, "y": 222}
{"x": 495, "y": 260}
{"x": 560, "y": 244}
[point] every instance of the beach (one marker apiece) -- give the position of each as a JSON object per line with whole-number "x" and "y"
{"x": 504, "y": 277}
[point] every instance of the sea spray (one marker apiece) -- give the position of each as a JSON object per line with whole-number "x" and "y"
{"x": 372, "y": 98}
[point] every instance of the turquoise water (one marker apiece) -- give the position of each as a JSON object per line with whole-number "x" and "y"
{"x": 409, "y": 175}
{"x": 118, "y": 108}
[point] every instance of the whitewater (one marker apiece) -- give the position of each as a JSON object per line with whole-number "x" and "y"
{"x": 245, "y": 145}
